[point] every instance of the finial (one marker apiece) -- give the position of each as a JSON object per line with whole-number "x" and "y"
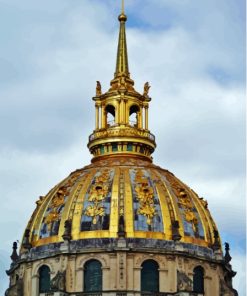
{"x": 122, "y": 17}
{"x": 14, "y": 256}
{"x": 228, "y": 257}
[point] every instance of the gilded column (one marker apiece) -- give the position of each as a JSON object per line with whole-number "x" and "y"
{"x": 96, "y": 116}
{"x": 122, "y": 111}
{"x": 125, "y": 120}
{"x": 146, "y": 117}
{"x": 140, "y": 124}
{"x": 117, "y": 119}
{"x": 103, "y": 117}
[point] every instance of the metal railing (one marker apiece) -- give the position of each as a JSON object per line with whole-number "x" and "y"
{"x": 123, "y": 293}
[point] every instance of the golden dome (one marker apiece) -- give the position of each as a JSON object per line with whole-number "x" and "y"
{"x": 119, "y": 194}
{"x": 122, "y": 193}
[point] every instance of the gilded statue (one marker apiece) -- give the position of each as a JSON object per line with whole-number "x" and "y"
{"x": 146, "y": 89}
{"x": 98, "y": 89}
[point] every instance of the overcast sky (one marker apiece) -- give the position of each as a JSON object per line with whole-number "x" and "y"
{"x": 191, "y": 52}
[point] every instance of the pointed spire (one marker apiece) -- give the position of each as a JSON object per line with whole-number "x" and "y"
{"x": 122, "y": 78}
{"x": 122, "y": 67}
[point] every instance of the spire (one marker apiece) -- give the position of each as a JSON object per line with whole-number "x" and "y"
{"x": 122, "y": 67}
{"x": 122, "y": 78}
{"x": 121, "y": 113}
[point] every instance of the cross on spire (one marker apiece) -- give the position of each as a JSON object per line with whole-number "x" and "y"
{"x": 122, "y": 67}
{"x": 122, "y": 6}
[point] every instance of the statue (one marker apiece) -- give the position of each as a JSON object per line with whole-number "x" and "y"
{"x": 146, "y": 89}
{"x": 98, "y": 89}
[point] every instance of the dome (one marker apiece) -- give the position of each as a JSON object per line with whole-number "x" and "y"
{"x": 122, "y": 193}
{"x": 121, "y": 226}
{"x": 117, "y": 194}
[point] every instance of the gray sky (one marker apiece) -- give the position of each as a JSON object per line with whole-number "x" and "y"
{"x": 191, "y": 52}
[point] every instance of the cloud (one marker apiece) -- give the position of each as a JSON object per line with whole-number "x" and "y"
{"x": 239, "y": 264}
{"x": 193, "y": 55}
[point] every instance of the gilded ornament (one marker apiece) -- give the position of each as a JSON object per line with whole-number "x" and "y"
{"x": 97, "y": 195}
{"x": 145, "y": 195}
{"x": 94, "y": 211}
{"x": 40, "y": 201}
{"x": 204, "y": 202}
{"x": 191, "y": 217}
{"x": 146, "y": 89}
{"x": 148, "y": 211}
{"x": 50, "y": 218}
{"x": 58, "y": 200}
{"x": 98, "y": 89}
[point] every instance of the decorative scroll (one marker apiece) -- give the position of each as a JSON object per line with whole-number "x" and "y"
{"x": 51, "y": 221}
{"x": 146, "y": 203}
{"x": 96, "y": 212}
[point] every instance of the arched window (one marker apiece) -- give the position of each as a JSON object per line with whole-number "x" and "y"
{"x": 150, "y": 276}
{"x": 44, "y": 279}
{"x": 133, "y": 115}
{"x": 110, "y": 115}
{"x": 198, "y": 280}
{"x": 92, "y": 276}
